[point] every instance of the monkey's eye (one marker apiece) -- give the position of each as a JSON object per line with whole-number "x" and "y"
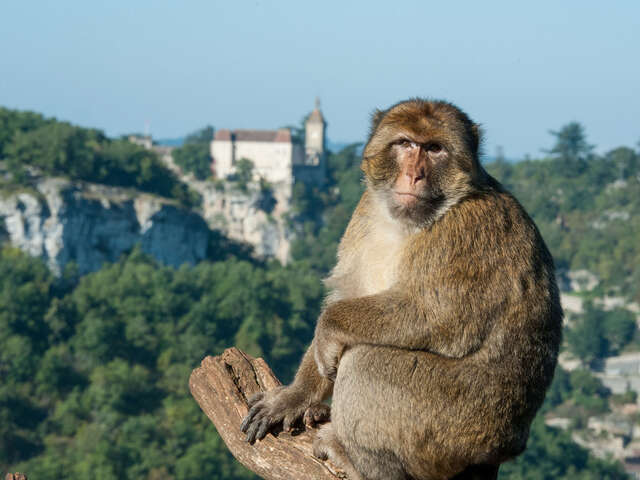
{"x": 434, "y": 148}
{"x": 405, "y": 142}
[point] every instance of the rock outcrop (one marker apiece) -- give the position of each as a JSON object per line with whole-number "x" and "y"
{"x": 254, "y": 216}
{"x": 63, "y": 221}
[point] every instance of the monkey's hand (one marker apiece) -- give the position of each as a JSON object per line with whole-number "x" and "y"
{"x": 285, "y": 404}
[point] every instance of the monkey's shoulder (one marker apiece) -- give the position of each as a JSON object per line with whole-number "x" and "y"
{"x": 488, "y": 228}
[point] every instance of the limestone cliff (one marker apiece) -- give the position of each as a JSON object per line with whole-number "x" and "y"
{"x": 89, "y": 224}
{"x": 252, "y": 216}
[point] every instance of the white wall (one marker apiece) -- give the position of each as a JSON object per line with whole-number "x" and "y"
{"x": 272, "y": 160}
{"x": 222, "y": 154}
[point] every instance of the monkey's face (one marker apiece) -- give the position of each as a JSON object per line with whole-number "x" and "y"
{"x": 421, "y": 157}
{"x": 417, "y": 168}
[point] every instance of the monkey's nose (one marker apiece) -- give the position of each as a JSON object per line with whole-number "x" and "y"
{"x": 416, "y": 174}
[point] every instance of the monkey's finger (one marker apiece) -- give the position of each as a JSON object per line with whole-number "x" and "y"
{"x": 245, "y": 423}
{"x": 290, "y": 421}
{"x": 251, "y": 432}
{"x": 308, "y": 419}
{"x": 264, "y": 428}
{"x": 255, "y": 399}
{"x": 316, "y": 414}
{"x": 250, "y": 416}
{"x": 260, "y": 416}
{"x": 321, "y": 413}
{"x": 286, "y": 423}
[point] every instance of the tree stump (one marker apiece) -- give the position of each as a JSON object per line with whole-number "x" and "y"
{"x": 221, "y": 386}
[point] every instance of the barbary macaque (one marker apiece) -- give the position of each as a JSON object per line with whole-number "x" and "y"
{"x": 441, "y": 328}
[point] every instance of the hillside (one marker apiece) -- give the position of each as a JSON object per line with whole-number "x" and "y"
{"x": 30, "y": 142}
{"x": 94, "y": 367}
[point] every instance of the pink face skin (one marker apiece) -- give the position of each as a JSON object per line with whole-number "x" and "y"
{"x": 416, "y": 162}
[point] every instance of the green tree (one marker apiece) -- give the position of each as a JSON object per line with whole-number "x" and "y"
{"x": 13, "y": 122}
{"x": 598, "y": 333}
{"x": 586, "y": 338}
{"x": 193, "y": 156}
{"x": 244, "y": 173}
{"x": 571, "y": 147}
{"x": 587, "y": 391}
{"x": 619, "y": 328}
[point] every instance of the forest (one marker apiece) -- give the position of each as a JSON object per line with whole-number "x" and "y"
{"x": 94, "y": 368}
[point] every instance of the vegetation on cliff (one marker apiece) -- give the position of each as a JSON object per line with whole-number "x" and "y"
{"x": 193, "y": 156}
{"x": 58, "y": 148}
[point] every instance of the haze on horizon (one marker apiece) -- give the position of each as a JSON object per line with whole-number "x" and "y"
{"x": 518, "y": 69}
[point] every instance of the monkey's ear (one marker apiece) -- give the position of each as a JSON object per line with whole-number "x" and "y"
{"x": 476, "y": 137}
{"x": 376, "y": 118}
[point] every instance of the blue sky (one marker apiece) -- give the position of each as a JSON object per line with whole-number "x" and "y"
{"x": 520, "y": 69}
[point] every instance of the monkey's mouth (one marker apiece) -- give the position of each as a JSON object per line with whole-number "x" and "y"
{"x": 408, "y": 198}
{"x": 411, "y": 194}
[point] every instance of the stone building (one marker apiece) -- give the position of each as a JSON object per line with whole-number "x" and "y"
{"x": 276, "y": 156}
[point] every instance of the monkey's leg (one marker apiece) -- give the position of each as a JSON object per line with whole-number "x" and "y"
{"x": 327, "y": 446}
{"x": 413, "y": 412}
{"x": 374, "y": 465}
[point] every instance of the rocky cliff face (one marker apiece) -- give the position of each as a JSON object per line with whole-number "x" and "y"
{"x": 253, "y": 216}
{"x": 63, "y": 221}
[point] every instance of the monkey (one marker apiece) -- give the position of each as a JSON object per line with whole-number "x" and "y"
{"x": 440, "y": 331}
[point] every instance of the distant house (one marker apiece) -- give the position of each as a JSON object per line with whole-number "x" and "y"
{"x": 275, "y": 155}
{"x": 143, "y": 141}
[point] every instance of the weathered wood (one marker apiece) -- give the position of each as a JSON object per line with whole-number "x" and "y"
{"x": 15, "y": 476}
{"x": 221, "y": 386}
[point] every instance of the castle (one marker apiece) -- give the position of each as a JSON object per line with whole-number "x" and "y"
{"x": 276, "y": 155}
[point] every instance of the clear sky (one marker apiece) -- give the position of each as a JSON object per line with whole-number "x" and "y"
{"x": 518, "y": 68}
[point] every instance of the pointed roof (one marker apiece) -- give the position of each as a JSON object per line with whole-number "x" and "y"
{"x": 316, "y": 115}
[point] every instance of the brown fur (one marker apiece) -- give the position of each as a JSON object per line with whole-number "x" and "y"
{"x": 443, "y": 314}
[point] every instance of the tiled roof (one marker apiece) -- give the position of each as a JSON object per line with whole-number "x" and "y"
{"x": 222, "y": 135}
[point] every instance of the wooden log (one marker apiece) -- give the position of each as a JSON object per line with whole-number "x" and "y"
{"x": 15, "y": 476}
{"x": 221, "y": 386}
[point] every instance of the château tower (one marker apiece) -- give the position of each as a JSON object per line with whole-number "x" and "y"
{"x": 315, "y": 127}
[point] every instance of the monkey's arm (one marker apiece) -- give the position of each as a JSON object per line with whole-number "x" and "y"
{"x": 441, "y": 325}
{"x": 289, "y": 403}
